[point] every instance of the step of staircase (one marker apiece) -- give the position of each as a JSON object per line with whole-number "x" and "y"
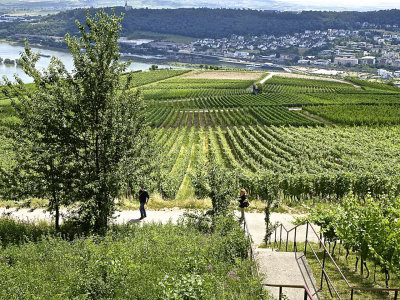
{"x": 286, "y": 268}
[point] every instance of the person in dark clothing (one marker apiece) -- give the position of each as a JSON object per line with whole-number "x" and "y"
{"x": 143, "y": 199}
{"x": 243, "y": 202}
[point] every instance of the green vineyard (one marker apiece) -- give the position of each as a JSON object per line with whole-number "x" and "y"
{"x": 359, "y": 114}
{"x": 305, "y": 161}
{"x": 170, "y": 117}
{"x": 183, "y": 87}
{"x": 292, "y": 138}
{"x": 143, "y": 78}
{"x": 264, "y": 140}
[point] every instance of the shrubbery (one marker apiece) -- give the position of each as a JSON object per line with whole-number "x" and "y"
{"x": 149, "y": 262}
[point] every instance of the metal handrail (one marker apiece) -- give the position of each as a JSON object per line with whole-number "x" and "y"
{"x": 307, "y": 293}
{"x": 352, "y": 288}
{"x": 326, "y": 252}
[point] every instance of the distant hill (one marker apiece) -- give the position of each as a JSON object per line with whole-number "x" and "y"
{"x": 213, "y": 23}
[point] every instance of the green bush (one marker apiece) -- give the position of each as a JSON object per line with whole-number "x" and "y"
{"x": 131, "y": 262}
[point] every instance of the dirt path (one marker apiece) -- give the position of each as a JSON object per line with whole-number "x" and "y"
{"x": 255, "y": 221}
{"x": 317, "y": 118}
{"x": 293, "y": 75}
{"x": 269, "y": 76}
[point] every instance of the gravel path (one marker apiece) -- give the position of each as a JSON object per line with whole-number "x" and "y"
{"x": 255, "y": 221}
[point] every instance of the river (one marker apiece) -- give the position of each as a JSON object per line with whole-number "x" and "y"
{"x": 12, "y": 52}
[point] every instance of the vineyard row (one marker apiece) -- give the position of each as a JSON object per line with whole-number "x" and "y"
{"x": 168, "y": 117}
{"x": 335, "y": 162}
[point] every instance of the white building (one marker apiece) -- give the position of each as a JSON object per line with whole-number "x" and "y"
{"x": 385, "y": 74}
{"x": 242, "y": 54}
{"x": 322, "y": 62}
{"x": 368, "y": 60}
{"x": 127, "y": 7}
{"x": 345, "y": 60}
{"x": 304, "y": 61}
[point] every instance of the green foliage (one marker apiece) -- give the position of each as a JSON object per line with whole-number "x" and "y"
{"x": 222, "y": 188}
{"x": 370, "y": 85}
{"x": 290, "y": 85}
{"x": 143, "y": 78}
{"x": 269, "y": 191}
{"x": 260, "y": 88}
{"x": 111, "y": 122}
{"x": 359, "y": 114}
{"x": 376, "y": 98}
{"x": 213, "y": 23}
{"x": 153, "y": 67}
{"x": 370, "y": 229}
{"x": 167, "y": 93}
{"x": 83, "y": 135}
{"x": 181, "y": 87}
{"x": 189, "y": 83}
{"x": 170, "y": 117}
{"x": 216, "y": 182}
{"x": 245, "y": 100}
{"x": 140, "y": 262}
{"x": 14, "y": 232}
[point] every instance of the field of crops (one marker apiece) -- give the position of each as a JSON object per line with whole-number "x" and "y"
{"x": 246, "y": 100}
{"x": 358, "y": 114}
{"x": 194, "y": 119}
{"x": 170, "y": 117}
{"x": 142, "y": 78}
{"x": 298, "y": 85}
{"x": 358, "y": 98}
{"x": 306, "y": 161}
{"x": 182, "y": 93}
{"x": 183, "y": 87}
{"x": 290, "y": 85}
{"x": 368, "y": 85}
{"x": 188, "y": 83}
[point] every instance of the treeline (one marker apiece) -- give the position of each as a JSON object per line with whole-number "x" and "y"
{"x": 213, "y": 23}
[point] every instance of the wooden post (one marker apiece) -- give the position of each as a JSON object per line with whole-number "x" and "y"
{"x": 305, "y": 244}
{"x": 323, "y": 269}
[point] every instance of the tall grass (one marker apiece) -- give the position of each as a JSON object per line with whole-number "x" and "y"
{"x": 130, "y": 262}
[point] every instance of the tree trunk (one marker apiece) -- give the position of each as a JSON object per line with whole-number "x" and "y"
{"x": 57, "y": 210}
{"x": 356, "y": 264}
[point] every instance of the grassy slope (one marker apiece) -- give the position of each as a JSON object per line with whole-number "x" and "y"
{"x": 347, "y": 266}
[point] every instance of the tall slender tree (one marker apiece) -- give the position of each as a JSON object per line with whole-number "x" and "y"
{"x": 86, "y": 130}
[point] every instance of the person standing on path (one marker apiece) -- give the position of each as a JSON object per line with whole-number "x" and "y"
{"x": 243, "y": 202}
{"x": 143, "y": 199}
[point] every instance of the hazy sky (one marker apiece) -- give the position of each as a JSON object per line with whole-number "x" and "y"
{"x": 360, "y": 4}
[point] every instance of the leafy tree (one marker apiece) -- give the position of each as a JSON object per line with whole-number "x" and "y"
{"x": 86, "y": 130}
{"x": 216, "y": 182}
{"x": 223, "y": 188}
{"x": 43, "y": 164}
